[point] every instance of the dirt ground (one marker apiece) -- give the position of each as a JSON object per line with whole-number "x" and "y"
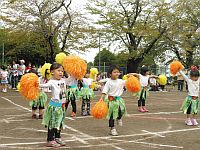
{"x": 161, "y": 128}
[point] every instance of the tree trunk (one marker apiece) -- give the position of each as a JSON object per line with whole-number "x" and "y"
{"x": 133, "y": 64}
{"x": 189, "y": 58}
{"x": 50, "y": 41}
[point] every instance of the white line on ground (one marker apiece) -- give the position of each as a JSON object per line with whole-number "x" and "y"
{"x": 16, "y": 104}
{"x": 4, "y": 120}
{"x": 153, "y": 133}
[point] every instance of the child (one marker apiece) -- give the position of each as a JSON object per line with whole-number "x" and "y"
{"x": 116, "y": 105}
{"x": 86, "y": 94}
{"x": 72, "y": 93}
{"x": 55, "y": 114}
{"x": 4, "y": 79}
{"x": 190, "y": 105}
{"x": 40, "y": 103}
{"x": 144, "y": 81}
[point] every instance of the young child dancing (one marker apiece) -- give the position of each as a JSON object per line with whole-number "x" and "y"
{"x": 190, "y": 105}
{"x": 86, "y": 94}
{"x": 72, "y": 93}
{"x": 55, "y": 112}
{"x": 144, "y": 81}
{"x": 40, "y": 102}
{"x": 4, "y": 78}
{"x": 113, "y": 90}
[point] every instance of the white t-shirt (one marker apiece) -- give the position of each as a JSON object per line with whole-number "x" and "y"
{"x": 21, "y": 69}
{"x": 144, "y": 80}
{"x": 152, "y": 81}
{"x": 43, "y": 81}
{"x": 114, "y": 87}
{"x": 58, "y": 89}
{"x": 14, "y": 70}
{"x": 87, "y": 81}
{"x": 193, "y": 86}
{"x": 71, "y": 81}
{"x": 4, "y": 75}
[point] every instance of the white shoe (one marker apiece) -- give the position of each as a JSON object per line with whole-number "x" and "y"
{"x": 5, "y": 90}
{"x": 194, "y": 122}
{"x": 188, "y": 122}
{"x": 113, "y": 132}
{"x": 119, "y": 122}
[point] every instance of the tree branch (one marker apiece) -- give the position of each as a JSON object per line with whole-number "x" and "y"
{"x": 68, "y": 27}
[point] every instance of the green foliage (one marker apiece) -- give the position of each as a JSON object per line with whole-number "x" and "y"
{"x": 135, "y": 25}
{"x": 105, "y": 56}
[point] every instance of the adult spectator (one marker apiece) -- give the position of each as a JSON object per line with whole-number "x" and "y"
{"x": 21, "y": 69}
{"x": 14, "y": 77}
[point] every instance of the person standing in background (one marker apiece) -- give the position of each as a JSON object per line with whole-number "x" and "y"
{"x": 180, "y": 80}
{"x": 14, "y": 78}
{"x": 21, "y": 69}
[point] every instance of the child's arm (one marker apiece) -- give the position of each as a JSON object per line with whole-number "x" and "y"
{"x": 184, "y": 76}
{"x": 103, "y": 80}
{"x": 45, "y": 85}
{"x": 153, "y": 76}
{"x": 102, "y": 96}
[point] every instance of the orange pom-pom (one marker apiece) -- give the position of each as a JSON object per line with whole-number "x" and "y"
{"x": 175, "y": 66}
{"x": 100, "y": 110}
{"x": 133, "y": 84}
{"x": 75, "y": 66}
{"x": 29, "y": 86}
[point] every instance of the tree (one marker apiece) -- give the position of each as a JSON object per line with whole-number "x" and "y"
{"x": 183, "y": 38}
{"x": 105, "y": 56}
{"x": 138, "y": 25}
{"x": 45, "y": 17}
{"x": 28, "y": 46}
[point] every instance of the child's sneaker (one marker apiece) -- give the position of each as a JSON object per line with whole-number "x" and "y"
{"x": 34, "y": 116}
{"x": 194, "y": 122}
{"x": 40, "y": 116}
{"x": 141, "y": 110}
{"x": 52, "y": 144}
{"x": 73, "y": 114}
{"x": 119, "y": 122}
{"x": 88, "y": 113}
{"x": 188, "y": 122}
{"x": 59, "y": 141}
{"x": 145, "y": 110}
{"x": 84, "y": 113}
{"x": 113, "y": 132}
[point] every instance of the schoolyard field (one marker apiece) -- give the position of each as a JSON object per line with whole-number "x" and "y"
{"x": 161, "y": 128}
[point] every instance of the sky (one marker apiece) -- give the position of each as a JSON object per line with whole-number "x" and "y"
{"x": 89, "y": 56}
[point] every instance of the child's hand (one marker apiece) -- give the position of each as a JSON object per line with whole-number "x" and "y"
{"x": 101, "y": 99}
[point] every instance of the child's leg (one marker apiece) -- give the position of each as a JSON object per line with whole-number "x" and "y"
{"x": 34, "y": 109}
{"x": 140, "y": 101}
{"x": 41, "y": 110}
{"x": 83, "y": 107}
{"x": 113, "y": 131}
{"x": 88, "y": 106}
{"x": 119, "y": 118}
{"x": 3, "y": 90}
{"x": 194, "y": 120}
{"x": 58, "y": 138}
{"x": 51, "y": 134}
{"x": 111, "y": 121}
{"x": 41, "y": 113}
{"x": 5, "y": 87}
{"x": 73, "y": 103}
{"x": 57, "y": 134}
{"x": 188, "y": 120}
{"x": 119, "y": 114}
